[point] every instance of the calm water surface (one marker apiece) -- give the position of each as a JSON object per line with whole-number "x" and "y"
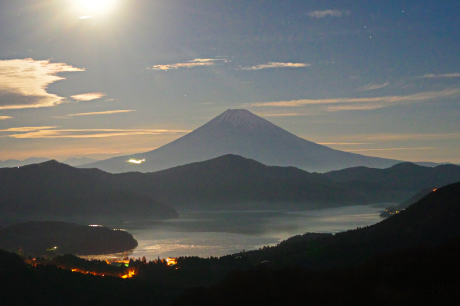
{"x": 209, "y": 233}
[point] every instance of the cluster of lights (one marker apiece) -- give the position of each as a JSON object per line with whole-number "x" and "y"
{"x": 136, "y": 161}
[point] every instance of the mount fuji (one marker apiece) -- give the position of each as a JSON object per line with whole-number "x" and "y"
{"x": 240, "y": 132}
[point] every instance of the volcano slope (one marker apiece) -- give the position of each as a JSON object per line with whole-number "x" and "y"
{"x": 240, "y": 132}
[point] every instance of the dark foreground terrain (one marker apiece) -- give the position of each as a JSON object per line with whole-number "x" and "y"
{"x": 408, "y": 259}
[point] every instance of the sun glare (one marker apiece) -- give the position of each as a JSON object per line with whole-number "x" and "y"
{"x": 95, "y": 7}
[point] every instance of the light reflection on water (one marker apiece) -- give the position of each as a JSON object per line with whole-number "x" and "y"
{"x": 220, "y": 233}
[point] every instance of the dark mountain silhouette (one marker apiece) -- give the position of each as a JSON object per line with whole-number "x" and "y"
{"x": 415, "y": 276}
{"x": 242, "y": 133}
{"x": 232, "y": 180}
{"x": 405, "y": 177}
{"x": 225, "y": 182}
{"x": 53, "y": 238}
{"x": 239, "y": 182}
{"x": 57, "y": 189}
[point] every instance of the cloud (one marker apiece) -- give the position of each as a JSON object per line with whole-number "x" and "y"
{"x": 424, "y": 96}
{"x": 448, "y": 75}
{"x": 101, "y": 113}
{"x": 88, "y": 96}
{"x": 284, "y": 115}
{"x": 392, "y": 149}
{"x": 374, "y": 86}
{"x": 28, "y": 128}
{"x": 353, "y": 107}
{"x": 51, "y": 132}
{"x": 198, "y": 62}
{"x": 277, "y": 65}
{"x": 328, "y": 13}
{"x": 5, "y": 117}
{"x": 23, "y": 83}
{"x": 398, "y": 137}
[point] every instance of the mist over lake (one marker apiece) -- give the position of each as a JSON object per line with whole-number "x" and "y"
{"x": 218, "y": 233}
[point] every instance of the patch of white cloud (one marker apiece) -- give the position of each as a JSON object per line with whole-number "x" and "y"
{"x": 374, "y": 86}
{"x": 102, "y": 113}
{"x": 277, "y": 65}
{"x": 329, "y": 13}
{"x": 88, "y": 96}
{"x": 390, "y": 100}
{"x": 198, "y": 62}
{"x": 23, "y": 83}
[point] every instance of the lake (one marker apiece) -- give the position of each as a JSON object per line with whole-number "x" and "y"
{"x": 218, "y": 233}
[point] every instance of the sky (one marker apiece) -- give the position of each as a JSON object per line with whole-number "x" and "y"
{"x": 102, "y": 78}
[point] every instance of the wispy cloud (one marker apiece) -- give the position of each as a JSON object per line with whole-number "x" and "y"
{"x": 23, "y": 83}
{"x": 102, "y": 113}
{"x": 424, "y": 96}
{"x": 328, "y": 13}
{"x": 5, "y": 117}
{"x": 198, "y": 62}
{"x": 50, "y": 132}
{"x": 88, "y": 96}
{"x": 375, "y": 138}
{"x": 29, "y": 128}
{"x": 353, "y": 107}
{"x": 277, "y": 65}
{"x": 392, "y": 149}
{"x": 448, "y": 75}
{"x": 374, "y": 86}
{"x": 284, "y": 115}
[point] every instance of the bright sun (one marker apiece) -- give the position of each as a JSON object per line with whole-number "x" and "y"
{"x": 95, "y": 7}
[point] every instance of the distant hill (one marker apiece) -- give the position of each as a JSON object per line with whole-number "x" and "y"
{"x": 237, "y": 182}
{"x": 19, "y": 163}
{"x": 34, "y": 160}
{"x": 231, "y": 179}
{"x": 78, "y": 161}
{"x": 226, "y": 182}
{"x": 53, "y": 238}
{"x": 240, "y": 132}
{"x": 406, "y": 177}
{"x": 52, "y": 188}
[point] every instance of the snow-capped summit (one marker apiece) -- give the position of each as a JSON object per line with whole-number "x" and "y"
{"x": 240, "y": 118}
{"x": 240, "y": 132}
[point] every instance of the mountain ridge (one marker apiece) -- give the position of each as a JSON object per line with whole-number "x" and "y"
{"x": 240, "y": 132}
{"x": 62, "y": 190}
